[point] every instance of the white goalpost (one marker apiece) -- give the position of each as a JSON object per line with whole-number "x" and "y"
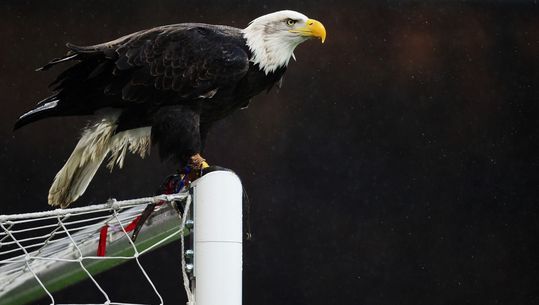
{"x": 41, "y": 253}
{"x": 218, "y": 239}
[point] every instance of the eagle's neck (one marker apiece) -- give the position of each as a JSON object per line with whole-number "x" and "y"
{"x": 269, "y": 50}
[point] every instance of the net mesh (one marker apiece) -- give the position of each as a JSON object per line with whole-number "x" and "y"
{"x": 44, "y": 252}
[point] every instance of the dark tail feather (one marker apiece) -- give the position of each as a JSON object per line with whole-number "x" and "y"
{"x": 70, "y": 83}
{"x": 44, "y": 109}
{"x": 56, "y": 61}
{"x": 76, "y": 52}
{"x": 92, "y": 50}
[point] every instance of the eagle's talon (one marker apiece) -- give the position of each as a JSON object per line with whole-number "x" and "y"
{"x": 204, "y": 165}
{"x": 197, "y": 164}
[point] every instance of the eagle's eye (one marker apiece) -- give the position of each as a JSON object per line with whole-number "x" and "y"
{"x": 291, "y": 22}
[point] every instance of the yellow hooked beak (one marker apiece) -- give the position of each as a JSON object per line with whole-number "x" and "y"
{"x": 312, "y": 28}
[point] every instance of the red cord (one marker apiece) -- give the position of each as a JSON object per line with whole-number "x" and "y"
{"x": 102, "y": 247}
{"x": 132, "y": 225}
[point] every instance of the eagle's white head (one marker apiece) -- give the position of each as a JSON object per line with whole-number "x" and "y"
{"x": 272, "y": 38}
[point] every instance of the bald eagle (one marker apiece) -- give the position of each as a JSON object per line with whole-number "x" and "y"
{"x": 166, "y": 86}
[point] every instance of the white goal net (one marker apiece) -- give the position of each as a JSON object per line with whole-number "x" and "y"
{"x": 41, "y": 253}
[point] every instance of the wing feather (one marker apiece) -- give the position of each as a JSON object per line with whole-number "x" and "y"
{"x": 181, "y": 64}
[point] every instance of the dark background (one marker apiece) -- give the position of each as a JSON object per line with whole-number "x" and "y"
{"x": 397, "y": 165}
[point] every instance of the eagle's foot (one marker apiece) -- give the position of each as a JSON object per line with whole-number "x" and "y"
{"x": 198, "y": 163}
{"x": 196, "y": 167}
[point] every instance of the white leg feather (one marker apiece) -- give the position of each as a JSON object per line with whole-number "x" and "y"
{"x": 96, "y": 142}
{"x": 137, "y": 141}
